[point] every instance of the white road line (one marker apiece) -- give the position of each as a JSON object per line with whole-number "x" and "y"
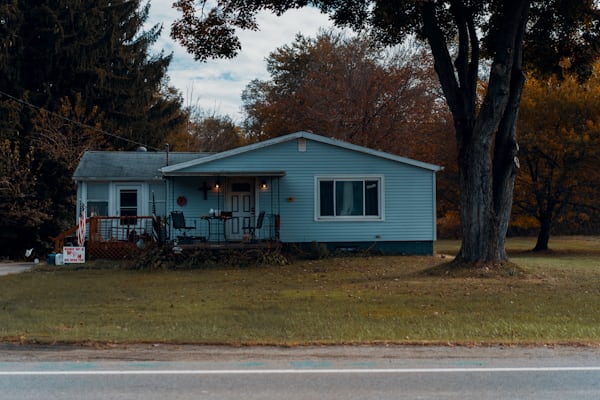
{"x": 300, "y": 371}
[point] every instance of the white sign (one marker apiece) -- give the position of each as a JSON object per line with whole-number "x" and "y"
{"x": 74, "y": 255}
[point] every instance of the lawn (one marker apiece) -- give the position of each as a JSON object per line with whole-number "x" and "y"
{"x": 334, "y": 300}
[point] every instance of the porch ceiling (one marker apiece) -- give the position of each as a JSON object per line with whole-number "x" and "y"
{"x": 226, "y": 173}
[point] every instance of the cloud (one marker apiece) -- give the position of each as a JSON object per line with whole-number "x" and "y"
{"x": 216, "y": 86}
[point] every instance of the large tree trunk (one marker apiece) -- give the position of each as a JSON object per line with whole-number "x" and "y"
{"x": 487, "y": 182}
{"x": 479, "y": 222}
{"x": 487, "y": 186}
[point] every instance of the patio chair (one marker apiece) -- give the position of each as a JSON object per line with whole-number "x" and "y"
{"x": 252, "y": 229}
{"x": 178, "y": 221}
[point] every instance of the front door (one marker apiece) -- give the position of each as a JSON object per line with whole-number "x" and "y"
{"x": 241, "y": 204}
{"x": 128, "y": 209}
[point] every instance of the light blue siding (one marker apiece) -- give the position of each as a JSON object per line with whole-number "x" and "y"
{"x": 408, "y": 192}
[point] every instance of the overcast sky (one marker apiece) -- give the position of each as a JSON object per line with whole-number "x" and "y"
{"x": 216, "y": 86}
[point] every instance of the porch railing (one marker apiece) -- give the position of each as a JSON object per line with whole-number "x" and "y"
{"x": 112, "y": 237}
{"x": 124, "y": 237}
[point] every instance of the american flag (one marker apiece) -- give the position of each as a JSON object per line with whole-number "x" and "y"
{"x": 155, "y": 224}
{"x": 81, "y": 227}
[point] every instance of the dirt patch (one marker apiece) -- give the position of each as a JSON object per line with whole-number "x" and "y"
{"x": 455, "y": 269}
{"x": 170, "y": 352}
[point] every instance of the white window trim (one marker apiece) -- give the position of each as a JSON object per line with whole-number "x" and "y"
{"x": 349, "y": 218}
{"x": 142, "y": 200}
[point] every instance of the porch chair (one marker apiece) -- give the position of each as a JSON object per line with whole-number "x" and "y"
{"x": 178, "y": 221}
{"x": 252, "y": 229}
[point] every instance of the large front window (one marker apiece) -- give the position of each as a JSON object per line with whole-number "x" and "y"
{"x": 349, "y": 198}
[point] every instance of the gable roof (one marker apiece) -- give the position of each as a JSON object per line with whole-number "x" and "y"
{"x": 174, "y": 168}
{"x": 128, "y": 165}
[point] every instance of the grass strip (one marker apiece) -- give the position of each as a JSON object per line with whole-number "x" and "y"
{"x": 329, "y": 301}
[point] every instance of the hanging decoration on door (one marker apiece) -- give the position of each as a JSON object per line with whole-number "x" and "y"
{"x": 181, "y": 201}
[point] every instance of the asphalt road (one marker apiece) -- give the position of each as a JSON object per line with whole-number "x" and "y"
{"x": 340, "y": 372}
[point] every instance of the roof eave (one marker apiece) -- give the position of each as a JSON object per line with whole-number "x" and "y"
{"x": 226, "y": 173}
{"x": 117, "y": 178}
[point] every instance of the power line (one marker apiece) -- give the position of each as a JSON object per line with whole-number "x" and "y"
{"x": 81, "y": 124}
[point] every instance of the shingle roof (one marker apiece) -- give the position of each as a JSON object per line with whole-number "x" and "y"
{"x": 128, "y": 165}
{"x": 173, "y": 168}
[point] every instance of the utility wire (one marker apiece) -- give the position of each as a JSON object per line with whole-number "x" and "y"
{"x": 81, "y": 124}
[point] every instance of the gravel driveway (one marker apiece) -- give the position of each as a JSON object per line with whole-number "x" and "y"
{"x": 14, "y": 267}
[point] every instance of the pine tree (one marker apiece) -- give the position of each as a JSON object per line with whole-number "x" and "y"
{"x": 99, "y": 51}
{"x": 95, "y": 56}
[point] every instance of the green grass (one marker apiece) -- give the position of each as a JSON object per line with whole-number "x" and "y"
{"x": 339, "y": 300}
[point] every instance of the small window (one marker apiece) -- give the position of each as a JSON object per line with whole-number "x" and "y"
{"x": 349, "y": 198}
{"x": 97, "y": 208}
{"x": 241, "y": 187}
{"x": 97, "y": 199}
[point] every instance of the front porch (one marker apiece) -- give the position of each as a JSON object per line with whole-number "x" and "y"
{"x": 130, "y": 237}
{"x": 224, "y": 228}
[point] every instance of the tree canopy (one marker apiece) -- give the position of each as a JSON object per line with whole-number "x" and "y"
{"x": 350, "y": 88}
{"x": 99, "y": 52}
{"x": 68, "y": 71}
{"x": 207, "y": 132}
{"x": 508, "y": 35}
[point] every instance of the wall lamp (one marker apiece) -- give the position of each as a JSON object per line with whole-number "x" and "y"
{"x": 263, "y": 185}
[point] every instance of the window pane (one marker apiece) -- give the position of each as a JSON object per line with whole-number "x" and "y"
{"x": 129, "y": 198}
{"x": 128, "y": 206}
{"x": 128, "y": 212}
{"x": 97, "y": 208}
{"x": 326, "y": 198}
{"x": 349, "y": 198}
{"x": 241, "y": 187}
{"x": 371, "y": 197}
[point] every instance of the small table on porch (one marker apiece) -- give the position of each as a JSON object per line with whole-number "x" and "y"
{"x": 215, "y": 221}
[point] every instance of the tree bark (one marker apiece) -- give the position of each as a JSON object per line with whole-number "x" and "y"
{"x": 506, "y": 160}
{"x": 479, "y": 223}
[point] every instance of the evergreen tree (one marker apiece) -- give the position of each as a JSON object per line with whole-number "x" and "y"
{"x": 99, "y": 51}
{"x": 94, "y": 56}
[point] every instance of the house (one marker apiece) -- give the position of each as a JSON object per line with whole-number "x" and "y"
{"x": 304, "y": 188}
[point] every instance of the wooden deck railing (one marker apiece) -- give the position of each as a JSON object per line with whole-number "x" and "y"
{"x": 127, "y": 237}
{"x": 111, "y": 237}
{"x": 59, "y": 241}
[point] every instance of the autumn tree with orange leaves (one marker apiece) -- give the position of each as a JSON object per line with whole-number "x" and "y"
{"x": 348, "y": 88}
{"x": 207, "y": 132}
{"x": 559, "y": 124}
